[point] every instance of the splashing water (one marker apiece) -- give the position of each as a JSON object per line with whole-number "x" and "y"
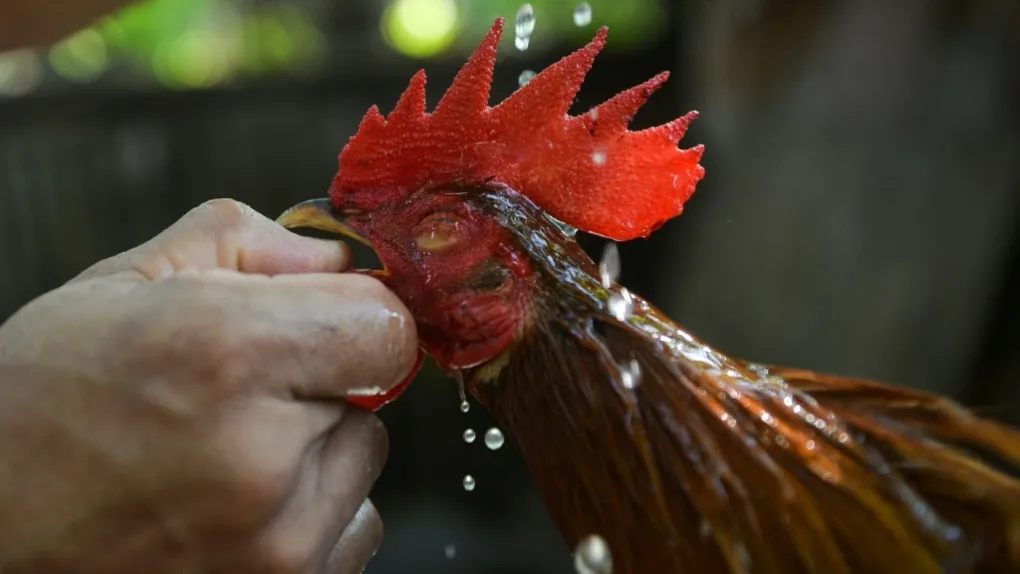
{"x": 592, "y": 556}
{"x": 631, "y": 374}
{"x": 494, "y": 438}
{"x": 582, "y": 14}
{"x": 609, "y": 266}
{"x": 567, "y": 229}
{"x": 469, "y": 436}
{"x": 524, "y": 25}
{"x": 525, "y": 77}
{"x": 621, "y": 304}
{"x": 450, "y": 551}
{"x": 469, "y": 483}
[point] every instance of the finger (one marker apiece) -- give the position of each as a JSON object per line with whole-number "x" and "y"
{"x": 358, "y": 543}
{"x": 226, "y": 234}
{"x": 311, "y": 336}
{"x": 335, "y": 479}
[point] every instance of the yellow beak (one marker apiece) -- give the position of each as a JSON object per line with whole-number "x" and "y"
{"x": 319, "y": 214}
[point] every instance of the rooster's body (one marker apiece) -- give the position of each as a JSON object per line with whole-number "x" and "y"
{"x": 682, "y": 459}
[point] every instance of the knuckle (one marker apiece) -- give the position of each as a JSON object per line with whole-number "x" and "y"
{"x": 286, "y": 555}
{"x": 255, "y": 482}
{"x": 196, "y": 335}
{"x": 225, "y": 214}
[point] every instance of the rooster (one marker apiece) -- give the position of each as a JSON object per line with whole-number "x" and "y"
{"x": 681, "y": 458}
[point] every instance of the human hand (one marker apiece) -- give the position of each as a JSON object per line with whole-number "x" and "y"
{"x": 178, "y": 407}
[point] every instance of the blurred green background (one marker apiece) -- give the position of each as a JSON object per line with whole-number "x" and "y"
{"x": 195, "y": 44}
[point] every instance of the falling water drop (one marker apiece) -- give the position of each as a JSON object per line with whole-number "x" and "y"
{"x": 469, "y": 436}
{"x": 465, "y": 406}
{"x": 450, "y": 551}
{"x": 459, "y": 377}
{"x": 609, "y": 266}
{"x": 582, "y": 14}
{"x": 592, "y": 556}
{"x": 631, "y": 374}
{"x": 598, "y": 157}
{"x": 469, "y": 483}
{"x": 494, "y": 438}
{"x": 524, "y": 25}
{"x": 621, "y": 304}
{"x": 525, "y": 77}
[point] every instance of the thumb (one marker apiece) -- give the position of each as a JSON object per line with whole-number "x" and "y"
{"x": 226, "y": 234}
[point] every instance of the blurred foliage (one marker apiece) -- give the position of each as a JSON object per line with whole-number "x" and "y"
{"x": 188, "y": 44}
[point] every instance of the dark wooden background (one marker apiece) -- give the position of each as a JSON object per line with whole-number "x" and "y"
{"x": 860, "y": 216}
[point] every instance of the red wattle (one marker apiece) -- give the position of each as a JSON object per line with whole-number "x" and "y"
{"x": 376, "y": 402}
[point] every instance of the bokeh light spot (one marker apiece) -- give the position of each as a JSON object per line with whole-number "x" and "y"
{"x": 420, "y": 28}
{"x": 80, "y": 58}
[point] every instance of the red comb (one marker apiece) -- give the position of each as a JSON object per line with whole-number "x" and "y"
{"x": 588, "y": 171}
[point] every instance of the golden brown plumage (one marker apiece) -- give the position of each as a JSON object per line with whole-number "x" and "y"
{"x": 714, "y": 465}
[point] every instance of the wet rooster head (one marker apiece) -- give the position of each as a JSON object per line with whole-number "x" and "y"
{"x": 461, "y": 204}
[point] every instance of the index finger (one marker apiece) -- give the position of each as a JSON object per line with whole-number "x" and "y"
{"x": 307, "y": 336}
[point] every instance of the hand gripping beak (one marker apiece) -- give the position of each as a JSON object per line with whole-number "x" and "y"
{"x": 319, "y": 214}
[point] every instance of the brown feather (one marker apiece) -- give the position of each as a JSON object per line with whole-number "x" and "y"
{"x": 713, "y": 465}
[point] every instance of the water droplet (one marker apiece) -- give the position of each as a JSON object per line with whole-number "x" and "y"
{"x": 469, "y": 483}
{"x": 365, "y": 392}
{"x": 621, "y": 304}
{"x": 494, "y": 438}
{"x": 522, "y": 43}
{"x": 598, "y": 157}
{"x": 568, "y": 230}
{"x": 592, "y": 556}
{"x": 450, "y": 551}
{"x": 465, "y": 406}
{"x": 705, "y": 529}
{"x": 609, "y": 265}
{"x": 524, "y": 25}
{"x": 582, "y": 14}
{"x": 631, "y": 374}
{"x": 469, "y": 436}
{"x": 459, "y": 377}
{"x": 525, "y": 77}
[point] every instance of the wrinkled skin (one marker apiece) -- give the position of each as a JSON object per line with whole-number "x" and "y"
{"x": 179, "y": 407}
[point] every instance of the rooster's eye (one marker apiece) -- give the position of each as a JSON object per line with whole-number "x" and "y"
{"x": 437, "y": 233}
